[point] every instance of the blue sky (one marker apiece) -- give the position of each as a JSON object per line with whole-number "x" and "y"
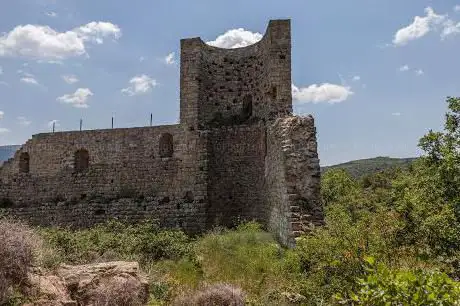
{"x": 374, "y": 76}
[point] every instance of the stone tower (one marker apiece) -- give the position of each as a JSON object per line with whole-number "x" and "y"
{"x": 221, "y": 87}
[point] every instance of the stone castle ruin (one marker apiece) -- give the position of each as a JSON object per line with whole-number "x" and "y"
{"x": 237, "y": 154}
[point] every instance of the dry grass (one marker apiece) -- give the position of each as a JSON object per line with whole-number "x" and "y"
{"x": 214, "y": 295}
{"x": 118, "y": 291}
{"x": 18, "y": 244}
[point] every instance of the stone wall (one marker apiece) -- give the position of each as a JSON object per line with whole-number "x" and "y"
{"x": 292, "y": 177}
{"x": 122, "y": 163}
{"x": 237, "y": 154}
{"x": 236, "y": 175}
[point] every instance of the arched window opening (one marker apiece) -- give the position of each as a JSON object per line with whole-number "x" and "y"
{"x": 24, "y": 162}
{"x": 81, "y": 160}
{"x": 166, "y": 147}
{"x": 247, "y": 107}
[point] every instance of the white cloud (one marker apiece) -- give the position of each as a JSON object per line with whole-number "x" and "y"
{"x": 325, "y": 92}
{"x": 169, "y": 59}
{"x": 29, "y": 80}
{"x": 3, "y": 130}
{"x": 236, "y": 38}
{"x": 140, "y": 84}
{"x": 457, "y": 8}
{"x": 1, "y": 70}
{"x": 4, "y": 83}
{"x": 404, "y": 68}
{"x": 419, "y": 27}
{"x": 97, "y": 31}
{"x": 141, "y": 59}
{"x": 23, "y": 121}
{"x": 51, "y": 14}
{"x": 396, "y": 114}
{"x": 55, "y": 62}
{"x": 450, "y": 28}
{"x": 43, "y": 42}
{"x": 78, "y": 99}
{"x": 70, "y": 79}
{"x": 356, "y": 78}
{"x": 26, "y": 74}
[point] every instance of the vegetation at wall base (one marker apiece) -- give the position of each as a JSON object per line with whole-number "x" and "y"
{"x": 390, "y": 238}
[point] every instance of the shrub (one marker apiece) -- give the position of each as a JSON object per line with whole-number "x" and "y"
{"x": 383, "y": 286}
{"x": 144, "y": 242}
{"x": 18, "y": 245}
{"x": 118, "y": 291}
{"x": 358, "y": 223}
{"x": 218, "y": 294}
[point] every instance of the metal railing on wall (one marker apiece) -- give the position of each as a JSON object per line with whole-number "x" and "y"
{"x": 53, "y": 128}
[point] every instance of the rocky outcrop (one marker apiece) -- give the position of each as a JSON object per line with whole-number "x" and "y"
{"x": 110, "y": 283}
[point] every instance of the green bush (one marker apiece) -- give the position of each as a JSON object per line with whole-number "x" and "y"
{"x": 383, "y": 286}
{"x": 144, "y": 242}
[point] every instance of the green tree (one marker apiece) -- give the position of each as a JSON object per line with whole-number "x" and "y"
{"x": 382, "y": 286}
{"x": 428, "y": 196}
{"x": 443, "y": 153}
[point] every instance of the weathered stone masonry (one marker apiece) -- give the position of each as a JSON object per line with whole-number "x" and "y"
{"x": 237, "y": 154}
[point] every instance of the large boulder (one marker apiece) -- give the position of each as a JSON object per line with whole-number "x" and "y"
{"x": 48, "y": 289}
{"x": 110, "y": 283}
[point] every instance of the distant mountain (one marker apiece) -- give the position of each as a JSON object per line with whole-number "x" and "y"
{"x": 361, "y": 167}
{"x": 7, "y": 152}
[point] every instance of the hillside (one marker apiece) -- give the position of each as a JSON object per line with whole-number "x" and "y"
{"x": 7, "y": 152}
{"x": 360, "y": 167}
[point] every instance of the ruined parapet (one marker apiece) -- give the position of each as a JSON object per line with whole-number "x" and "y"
{"x": 292, "y": 175}
{"x": 222, "y": 87}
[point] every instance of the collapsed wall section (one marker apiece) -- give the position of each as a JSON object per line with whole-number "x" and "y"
{"x": 292, "y": 178}
{"x": 79, "y": 178}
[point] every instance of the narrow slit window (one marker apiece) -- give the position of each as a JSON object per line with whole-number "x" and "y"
{"x": 166, "y": 147}
{"x": 81, "y": 160}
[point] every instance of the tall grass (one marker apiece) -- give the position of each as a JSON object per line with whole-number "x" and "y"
{"x": 246, "y": 257}
{"x": 144, "y": 242}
